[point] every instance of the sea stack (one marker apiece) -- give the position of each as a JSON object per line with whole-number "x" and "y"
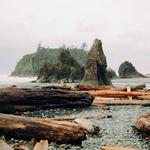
{"x": 96, "y": 66}
{"x": 67, "y": 69}
{"x": 127, "y": 70}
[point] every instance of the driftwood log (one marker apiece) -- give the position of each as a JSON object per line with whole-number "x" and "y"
{"x": 82, "y": 87}
{"x": 4, "y": 146}
{"x": 42, "y": 145}
{"x": 109, "y": 101}
{"x": 143, "y": 97}
{"x": 117, "y": 148}
{"x": 133, "y": 88}
{"x": 22, "y": 99}
{"x": 143, "y": 123}
{"x": 26, "y": 128}
{"x": 118, "y": 94}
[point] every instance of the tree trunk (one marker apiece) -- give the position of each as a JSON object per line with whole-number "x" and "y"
{"x": 22, "y": 99}
{"x": 27, "y": 128}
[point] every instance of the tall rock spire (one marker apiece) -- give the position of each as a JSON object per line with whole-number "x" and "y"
{"x": 96, "y": 65}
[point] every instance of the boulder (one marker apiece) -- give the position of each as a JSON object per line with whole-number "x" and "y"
{"x": 127, "y": 70}
{"x": 96, "y": 65}
{"x": 143, "y": 123}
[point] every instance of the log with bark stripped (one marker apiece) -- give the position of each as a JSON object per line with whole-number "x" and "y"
{"x": 27, "y": 128}
{"x": 117, "y": 148}
{"x": 100, "y": 102}
{"x": 22, "y": 99}
{"x": 108, "y": 93}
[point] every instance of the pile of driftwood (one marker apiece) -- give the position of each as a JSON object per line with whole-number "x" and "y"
{"x": 61, "y": 130}
{"x": 130, "y": 95}
{"x": 70, "y": 129}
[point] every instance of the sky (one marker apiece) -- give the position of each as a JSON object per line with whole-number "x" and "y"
{"x": 122, "y": 25}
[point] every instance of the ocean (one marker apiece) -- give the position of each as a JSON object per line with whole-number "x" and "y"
{"x": 7, "y": 81}
{"x": 133, "y": 81}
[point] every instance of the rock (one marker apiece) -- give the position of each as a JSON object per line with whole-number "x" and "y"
{"x": 95, "y": 69}
{"x": 143, "y": 123}
{"x": 67, "y": 69}
{"x": 111, "y": 73}
{"x": 31, "y": 64}
{"x": 127, "y": 70}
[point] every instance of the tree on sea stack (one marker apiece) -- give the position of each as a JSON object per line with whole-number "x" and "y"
{"x": 96, "y": 65}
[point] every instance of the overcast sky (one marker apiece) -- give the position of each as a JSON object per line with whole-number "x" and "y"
{"x": 122, "y": 25}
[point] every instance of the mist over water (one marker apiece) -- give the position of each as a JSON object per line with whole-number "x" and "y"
{"x": 133, "y": 81}
{"x": 6, "y": 81}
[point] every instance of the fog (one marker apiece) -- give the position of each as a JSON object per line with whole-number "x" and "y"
{"x": 122, "y": 25}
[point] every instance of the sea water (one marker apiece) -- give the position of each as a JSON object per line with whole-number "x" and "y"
{"x": 6, "y": 81}
{"x": 132, "y": 81}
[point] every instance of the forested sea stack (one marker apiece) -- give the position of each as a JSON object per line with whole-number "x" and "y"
{"x": 67, "y": 69}
{"x": 96, "y": 65}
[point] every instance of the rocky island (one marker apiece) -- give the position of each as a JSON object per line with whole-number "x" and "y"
{"x": 127, "y": 70}
{"x": 67, "y": 68}
{"x": 30, "y": 64}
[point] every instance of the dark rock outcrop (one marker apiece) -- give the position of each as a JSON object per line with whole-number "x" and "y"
{"x": 67, "y": 68}
{"x": 143, "y": 123}
{"x": 95, "y": 69}
{"x": 127, "y": 70}
{"x": 111, "y": 73}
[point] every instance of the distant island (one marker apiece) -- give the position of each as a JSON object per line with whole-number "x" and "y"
{"x": 31, "y": 64}
{"x": 49, "y": 65}
{"x": 127, "y": 70}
